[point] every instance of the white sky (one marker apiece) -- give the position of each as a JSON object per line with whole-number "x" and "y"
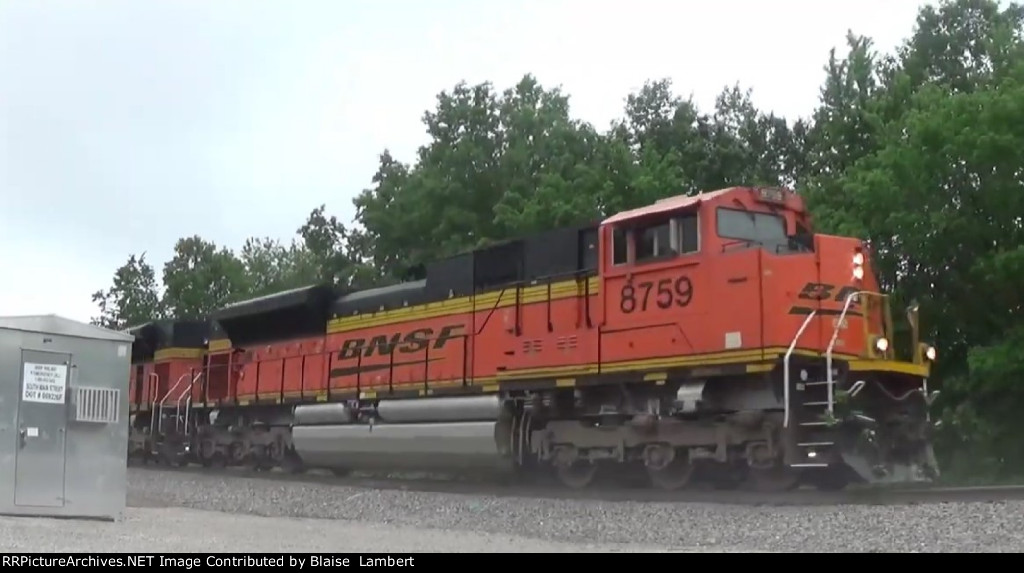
{"x": 125, "y": 124}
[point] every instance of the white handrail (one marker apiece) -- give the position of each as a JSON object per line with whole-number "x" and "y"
{"x": 186, "y": 393}
{"x": 160, "y": 412}
{"x": 188, "y": 407}
{"x": 785, "y": 368}
{"x": 832, "y": 343}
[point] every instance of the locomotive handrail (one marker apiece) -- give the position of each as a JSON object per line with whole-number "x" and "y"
{"x": 832, "y": 343}
{"x": 160, "y": 411}
{"x": 553, "y": 277}
{"x": 186, "y": 393}
{"x": 153, "y": 385}
{"x": 494, "y": 307}
{"x": 785, "y": 368}
{"x": 187, "y": 390}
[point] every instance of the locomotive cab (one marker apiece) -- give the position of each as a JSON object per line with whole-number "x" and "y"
{"x": 716, "y": 242}
{"x": 739, "y": 277}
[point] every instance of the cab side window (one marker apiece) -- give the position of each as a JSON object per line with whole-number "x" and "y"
{"x": 654, "y": 242}
{"x": 677, "y": 235}
{"x": 687, "y": 233}
{"x": 620, "y": 250}
{"x": 658, "y": 240}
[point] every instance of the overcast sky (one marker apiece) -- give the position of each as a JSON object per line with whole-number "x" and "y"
{"x": 125, "y": 124}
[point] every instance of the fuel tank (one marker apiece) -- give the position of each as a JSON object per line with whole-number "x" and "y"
{"x": 447, "y": 433}
{"x": 444, "y": 409}
{"x": 320, "y": 414}
{"x": 441, "y": 446}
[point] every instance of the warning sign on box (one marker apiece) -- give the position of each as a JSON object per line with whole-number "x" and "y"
{"x": 44, "y": 383}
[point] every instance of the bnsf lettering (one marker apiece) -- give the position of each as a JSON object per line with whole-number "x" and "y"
{"x": 823, "y": 291}
{"x": 412, "y": 341}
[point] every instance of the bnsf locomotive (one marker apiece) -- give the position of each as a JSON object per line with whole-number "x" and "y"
{"x": 712, "y": 335}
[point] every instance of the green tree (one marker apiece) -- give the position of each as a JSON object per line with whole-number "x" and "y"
{"x": 918, "y": 153}
{"x": 326, "y": 255}
{"x": 497, "y": 165}
{"x": 666, "y": 146}
{"x": 502, "y": 165}
{"x": 201, "y": 278}
{"x": 272, "y": 267}
{"x": 132, "y": 300}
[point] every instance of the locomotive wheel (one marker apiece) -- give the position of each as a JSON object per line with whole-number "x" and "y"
{"x": 675, "y": 475}
{"x": 578, "y": 475}
{"x": 777, "y": 478}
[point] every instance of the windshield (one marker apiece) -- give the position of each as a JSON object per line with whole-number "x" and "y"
{"x": 762, "y": 228}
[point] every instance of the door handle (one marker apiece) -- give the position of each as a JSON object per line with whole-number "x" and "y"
{"x": 22, "y": 435}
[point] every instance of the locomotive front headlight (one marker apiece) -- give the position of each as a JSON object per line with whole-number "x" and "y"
{"x": 858, "y": 266}
{"x": 930, "y": 353}
{"x": 882, "y": 344}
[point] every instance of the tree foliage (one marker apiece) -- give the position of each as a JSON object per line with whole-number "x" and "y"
{"x": 917, "y": 151}
{"x": 132, "y": 300}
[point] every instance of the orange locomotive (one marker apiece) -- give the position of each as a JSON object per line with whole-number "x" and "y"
{"x": 713, "y": 332}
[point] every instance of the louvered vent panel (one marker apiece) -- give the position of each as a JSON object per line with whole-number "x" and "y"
{"x": 97, "y": 405}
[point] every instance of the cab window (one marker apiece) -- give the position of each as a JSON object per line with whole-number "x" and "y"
{"x": 678, "y": 235}
{"x": 620, "y": 251}
{"x": 653, "y": 242}
{"x": 761, "y": 228}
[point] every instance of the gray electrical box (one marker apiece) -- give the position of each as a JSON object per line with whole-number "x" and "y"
{"x": 63, "y": 418}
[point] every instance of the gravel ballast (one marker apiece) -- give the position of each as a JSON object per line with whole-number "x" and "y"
{"x": 178, "y": 530}
{"x": 945, "y": 527}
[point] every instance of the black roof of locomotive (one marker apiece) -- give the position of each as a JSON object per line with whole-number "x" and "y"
{"x": 306, "y": 296}
{"x": 559, "y": 253}
{"x": 169, "y": 333}
{"x": 289, "y": 314}
{"x": 550, "y": 255}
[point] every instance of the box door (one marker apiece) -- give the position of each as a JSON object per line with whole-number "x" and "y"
{"x": 42, "y": 421}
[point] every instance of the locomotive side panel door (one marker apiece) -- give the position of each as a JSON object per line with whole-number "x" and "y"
{"x": 740, "y": 275}
{"x": 656, "y": 300}
{"x": 552, "y": 330}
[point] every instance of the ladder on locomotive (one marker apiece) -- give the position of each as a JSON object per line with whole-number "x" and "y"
{"x": 809, "y": 404}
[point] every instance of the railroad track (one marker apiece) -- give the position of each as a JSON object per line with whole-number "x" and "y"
{"x": 624, "y": 493}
